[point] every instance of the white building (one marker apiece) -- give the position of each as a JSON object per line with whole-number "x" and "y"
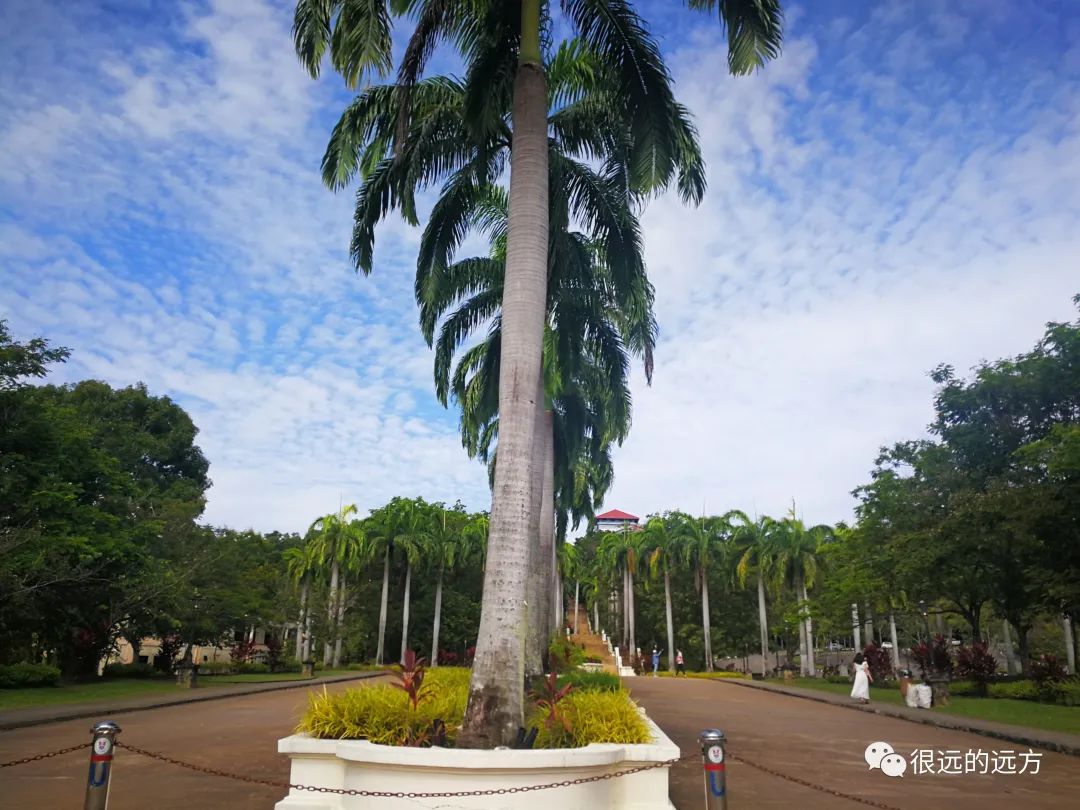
{"x": 616, "y": 520}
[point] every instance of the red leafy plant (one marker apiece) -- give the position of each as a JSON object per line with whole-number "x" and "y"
{"x": 242, "y": 651}
{"x": 547, "y": 699}
{"x": 933, "y": 659}
{"x": 880, "y": 664}
{"x": 410, "y": 675}
{"x": 976, "y": 663}
{"x": 1047, "y": 669}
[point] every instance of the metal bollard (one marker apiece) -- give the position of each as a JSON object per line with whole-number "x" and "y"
{"x": 101, "y": 755}
{"x": 712, "y": 754}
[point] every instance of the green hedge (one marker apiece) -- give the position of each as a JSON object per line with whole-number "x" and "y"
{"x": 20, "y": 676}
{"x": 591, "y": 681}
{"x": 135, "y": 670}
{"x": 1064, "y": 693}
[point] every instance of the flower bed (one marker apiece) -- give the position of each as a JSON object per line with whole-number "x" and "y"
{"x": 391, "y": 740}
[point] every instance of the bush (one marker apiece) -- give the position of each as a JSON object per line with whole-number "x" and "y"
{"x": 216, "y": 668}
{"x": 837, "y": 679}
{"x": 595, "y": 717}
{"x": 382, "y": 714}
{"x": 593, "y": 659}
{"x": 591, "y": 681}
{"x": 135, "y": 670}
{"x": 1047, "y": 669}
{"x": 935, "y": 658}
{"x": 977, "y": 664}
{"x": 1015, "y": 690}
{"x": 564, "y": 655}
{"x": 251, "y": 668}
{"x": 878, "y": 659}
{"x": 21, "y": 676}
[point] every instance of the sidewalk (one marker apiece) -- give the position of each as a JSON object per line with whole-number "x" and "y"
{"x": 1036, "y": 738}
{"x": 41, "y": 715}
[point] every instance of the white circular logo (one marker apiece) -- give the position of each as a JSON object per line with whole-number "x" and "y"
{"x": 102, "y": 745}
{"x": 715, "y": 754}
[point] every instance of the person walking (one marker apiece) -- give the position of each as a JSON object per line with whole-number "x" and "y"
{"x": 861, "y": 690}
{"x": 655, "y": 661}
{"x": 680, "y": 664}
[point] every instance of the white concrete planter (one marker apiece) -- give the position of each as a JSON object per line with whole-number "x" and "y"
{"x": 360, "y": 765}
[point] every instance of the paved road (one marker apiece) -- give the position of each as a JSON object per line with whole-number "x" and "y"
{"x": 814, "y": 741}
{"x": 246, "y": 727}
{"x": 825, "y": 744}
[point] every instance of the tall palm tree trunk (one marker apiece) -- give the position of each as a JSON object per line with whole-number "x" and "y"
{"x": 895, "y": 645}
{"x": 802, "y": 646}
{"x": 596, "y": 617}
{"x": 705, "y": 625}
{"x": 305, "y": 589}
{"x": 331, "y": 612}
{"x": 438, "y": 621}
{"x": 625, "y": 611}
{"x": 670, "y": 623}
{"x": 405, "y": 612}
{"x": 383, "y": 606}
{"x": 811, "y": 668}
{"x": 496, "y": 693}
{"x": 535, "y": 605}
{"x": 1010, "y": 653}
{"x": 306, "y": 653}
{"x": 763, "y": 623}
{"x": 633, "y": 618}
{"x": 547, "y": 529}
{"x": 577, "y": 596}
{"x": 340, "y": 623}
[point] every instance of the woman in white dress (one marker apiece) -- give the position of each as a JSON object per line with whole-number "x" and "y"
{"x": 861, "y": 690}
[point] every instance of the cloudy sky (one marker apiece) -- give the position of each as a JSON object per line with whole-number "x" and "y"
{"x": 899, "y": 190}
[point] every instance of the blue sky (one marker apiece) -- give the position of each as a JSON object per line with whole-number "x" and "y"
{"x": 900, "y": 189}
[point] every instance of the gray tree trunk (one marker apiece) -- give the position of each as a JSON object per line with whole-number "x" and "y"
{"x": 331, "y": 612}
{"x": 551, "y": 620}
{"x": 438, "y": 621}
{"x": 596, "y": 617}
{"x": 802, "y": 647}
{"x": 536, "y": 605}
{"x": 668, "y": 618}
{"x": 869, "y": 624}
{"x": 305, "y": 589}
{"x": 306, "y": 655}
{"x": 405, "y": 611}
{"x": 763, "y": 624}
{"x": 855, "y": 630}
{"x": 895, "y": 644}
{"x": 705, "y": 625}
{"x": 633, "y": 612}
{"x": 383, "y": 605}
{"x": 577, "y": 595}
{"x": 811, "y": 667}
{"x": 340, "y": 623}
{"x": 1010, "y": 653}
{"x": 1070, "y": 645}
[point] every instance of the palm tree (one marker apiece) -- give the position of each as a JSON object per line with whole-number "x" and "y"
{"x": 754, "y": 539}
{"x": 502, "y": 46}
{"x": 704, "y": 542}
{"x": 337, "y": 543}
{"x": 622, "y": 551}
{"x": 302, "y": 565}
{"x": 661, "y": 542}
{"x": 795, "y": 565}
{"x": 451, "y": 543}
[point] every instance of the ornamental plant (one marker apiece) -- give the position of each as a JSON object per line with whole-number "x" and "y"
{"x": 977, "y": 664}
{"x": 410, "y": 677}
{"x": 878, "y": 659}
{"x": 1047, "y": 669}
{"x": 933, "y": 658}
{"x": 547, "y": 699}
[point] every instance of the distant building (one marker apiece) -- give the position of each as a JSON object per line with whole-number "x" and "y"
{"x": 616, "y": 521}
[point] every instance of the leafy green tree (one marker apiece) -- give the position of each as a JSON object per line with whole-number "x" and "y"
{"x": 755, "y": 546}
{"x": 661, "y": 539}
{"x": 338, "y": 543}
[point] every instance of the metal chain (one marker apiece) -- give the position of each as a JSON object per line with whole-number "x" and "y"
{"x": 382, "y": 794}
{"x": 811, "y": 785}
{"x": 36, "y": 757}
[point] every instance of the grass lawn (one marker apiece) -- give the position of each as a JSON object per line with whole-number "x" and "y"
{"x": 124, "y": 688}
{"x": 1047, "y": 716}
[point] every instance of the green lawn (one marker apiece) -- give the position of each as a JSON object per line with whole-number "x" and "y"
{"x": 123, "y": 688}
{"x": 1028, "y": 713}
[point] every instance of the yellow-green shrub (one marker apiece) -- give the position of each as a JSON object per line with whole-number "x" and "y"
{"x": 595, "y": 717}
{"x": 382, "y": 714}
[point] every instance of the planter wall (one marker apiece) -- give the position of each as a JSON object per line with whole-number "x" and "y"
{"x": 360, "y": 765}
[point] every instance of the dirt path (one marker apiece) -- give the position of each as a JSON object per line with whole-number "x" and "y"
{"x": 825, "y": 744}
{"x": 238, "y": 734}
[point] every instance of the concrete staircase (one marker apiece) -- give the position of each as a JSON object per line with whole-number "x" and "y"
{"x": 595, "y": 645}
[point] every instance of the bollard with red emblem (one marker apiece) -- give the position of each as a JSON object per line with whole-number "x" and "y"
{"x": 712, "y": 754}
{"x": 101, "y": 758}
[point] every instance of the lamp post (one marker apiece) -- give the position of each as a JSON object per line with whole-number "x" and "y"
{"x": 926, "y": 622}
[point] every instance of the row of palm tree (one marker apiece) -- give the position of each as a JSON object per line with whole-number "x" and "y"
{"x": 777, "y": 555}
{"x": 339, "y": 546}
{"x": 552, "y": 113}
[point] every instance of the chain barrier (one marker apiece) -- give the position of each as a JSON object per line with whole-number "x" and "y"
{"x": 379, "y": 794}
{"x": 36, "y": 757}
{"x": 806, "y": 783}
